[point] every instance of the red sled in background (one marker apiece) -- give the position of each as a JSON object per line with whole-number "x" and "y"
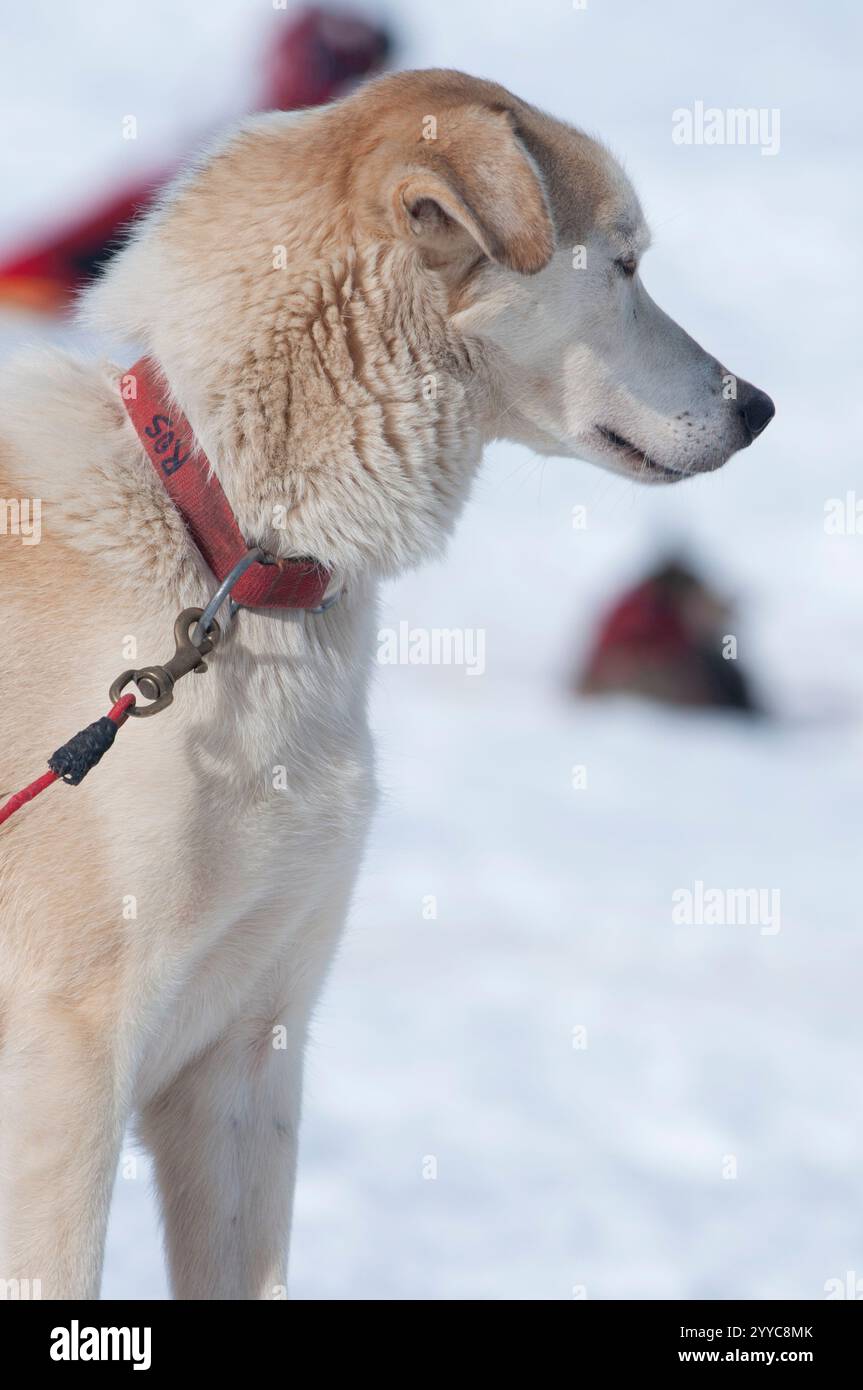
{"x": 665, "y": 639}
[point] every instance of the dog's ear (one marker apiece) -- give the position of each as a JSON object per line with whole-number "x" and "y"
{"x": 474, "y": 181}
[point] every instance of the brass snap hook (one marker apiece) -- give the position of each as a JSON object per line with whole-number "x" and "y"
{"x": 156, "y": 683}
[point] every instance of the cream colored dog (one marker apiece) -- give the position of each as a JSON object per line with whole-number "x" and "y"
{"x": 347, "y": 304}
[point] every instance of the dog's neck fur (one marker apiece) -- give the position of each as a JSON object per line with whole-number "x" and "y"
{"x": 341, "y": 415}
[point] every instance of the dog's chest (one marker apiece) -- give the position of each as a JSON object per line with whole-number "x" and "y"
{"x": 259, "y": 889}
{"x": 257, "y": 797}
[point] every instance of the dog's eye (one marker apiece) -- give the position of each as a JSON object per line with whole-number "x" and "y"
{"x": 627, "y": 265}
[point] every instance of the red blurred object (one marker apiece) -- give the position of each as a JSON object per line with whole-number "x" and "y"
{"x": 318, "y": 54}
{"x": 664, "y": 639}
{"x": 311, "y": 61}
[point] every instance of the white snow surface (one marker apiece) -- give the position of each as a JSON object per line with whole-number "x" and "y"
{"x": 450, "y": 1042}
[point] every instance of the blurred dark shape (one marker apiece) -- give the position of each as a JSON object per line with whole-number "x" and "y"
{"x": 665, "y": 639}
{"x": 319, "y": 54}
{"x": 312, "y": 60}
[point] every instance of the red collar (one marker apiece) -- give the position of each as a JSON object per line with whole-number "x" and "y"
{"x": 170, "y": 445}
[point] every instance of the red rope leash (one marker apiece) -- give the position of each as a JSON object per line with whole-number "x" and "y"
{"x": 118, "y": 714}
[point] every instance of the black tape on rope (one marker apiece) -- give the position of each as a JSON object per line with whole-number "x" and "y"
{"x": 74, "y": 760}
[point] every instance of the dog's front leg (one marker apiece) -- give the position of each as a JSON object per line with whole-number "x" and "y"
{"x": 223, "y": 1135}
{"x": 223, "y": 1131}
{"x": 61, "y": 1126}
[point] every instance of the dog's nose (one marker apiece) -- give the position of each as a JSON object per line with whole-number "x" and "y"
{"x": 757, "y": 410}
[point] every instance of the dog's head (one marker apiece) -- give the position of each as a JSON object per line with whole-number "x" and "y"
{"x": 349, "y": 302}
{"x": 539, "y": 236}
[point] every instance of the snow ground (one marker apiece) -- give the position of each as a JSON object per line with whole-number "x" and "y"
{"x": 563, "y": 1167}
